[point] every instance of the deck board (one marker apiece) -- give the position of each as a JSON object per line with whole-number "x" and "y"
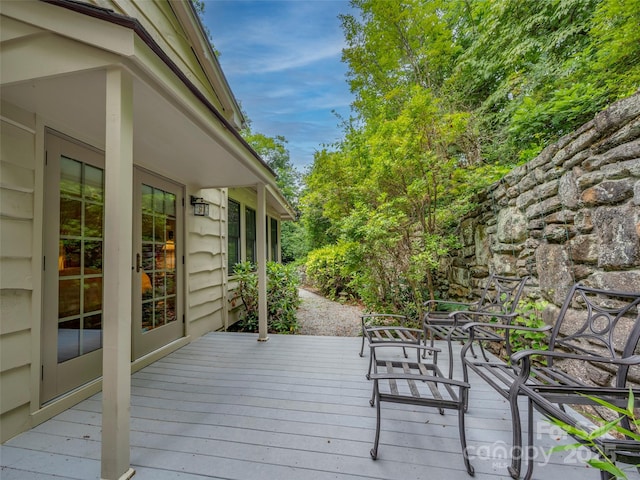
{"x": 293, "y": 408}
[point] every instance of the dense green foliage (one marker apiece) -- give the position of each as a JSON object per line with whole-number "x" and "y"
{"x": 282, "y": 297}
{"x": 449, "y": 96}
{"x": 334, "y": 270}
{"x": 529, "y": 314}
{"x": 273, "y": 150}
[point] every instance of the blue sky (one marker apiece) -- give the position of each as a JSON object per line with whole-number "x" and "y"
{"x": 282, "y": 60}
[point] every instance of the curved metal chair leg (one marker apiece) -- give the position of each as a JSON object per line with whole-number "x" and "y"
{"x": 372, "y": 402}
{"x": 517, "y": 450}
{"x": 484, "y": 354}
{"x": 463, "y": 438}
{"x": 376, "y": 400}
{"x": 431, "y": 344}
{"x": 450, "y": 348}
{"x": 465, "y": 377}
{"x": 473, "y": 352}
{"x": 362, "y": 346}
{"x": 529, "y": 473}
{"x": 368, "y": 375}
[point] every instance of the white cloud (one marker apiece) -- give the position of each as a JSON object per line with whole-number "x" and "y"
{"x": 282, "y": 60}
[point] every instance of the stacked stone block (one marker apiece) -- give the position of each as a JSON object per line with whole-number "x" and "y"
{"x": 571, "y": 214}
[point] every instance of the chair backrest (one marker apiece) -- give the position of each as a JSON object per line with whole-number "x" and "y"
{"x": 501, "y": 294}
{"x": 598, "y": 322}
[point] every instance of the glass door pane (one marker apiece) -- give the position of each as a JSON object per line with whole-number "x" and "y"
{"x": 80, "y": 259}
{"x": 158, "y": 257}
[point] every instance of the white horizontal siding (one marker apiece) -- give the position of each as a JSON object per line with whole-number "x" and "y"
{"x": 159, "y": 21}
{"x": 17, "y": 174}
{"x": 206, "y": 260}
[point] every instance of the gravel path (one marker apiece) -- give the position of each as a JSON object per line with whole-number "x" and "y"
{"x": 320, "y": 316}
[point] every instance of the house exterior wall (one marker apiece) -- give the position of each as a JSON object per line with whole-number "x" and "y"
{"x": 206, "y": 269}
{"x": 29, "y": 33}
{"x": 18, "y": 287}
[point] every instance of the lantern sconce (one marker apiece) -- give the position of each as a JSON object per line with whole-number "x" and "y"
{"x": 200, "y": 207}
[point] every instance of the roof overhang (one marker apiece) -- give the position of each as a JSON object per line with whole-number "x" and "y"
{"x": 54, "y": 62}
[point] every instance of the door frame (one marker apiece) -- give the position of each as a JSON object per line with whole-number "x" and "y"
{"x": 59, "y": 379}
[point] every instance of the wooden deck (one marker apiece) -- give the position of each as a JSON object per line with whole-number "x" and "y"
{"x": 293, "y": 408}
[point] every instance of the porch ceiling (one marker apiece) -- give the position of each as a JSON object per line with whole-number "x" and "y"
{"x": 165, "y": 140}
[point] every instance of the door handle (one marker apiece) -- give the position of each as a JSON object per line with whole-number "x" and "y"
{"x": 138, "y": 262}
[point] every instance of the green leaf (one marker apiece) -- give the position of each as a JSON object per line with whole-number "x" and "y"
{"x": 608, "y": 405}
{"x": 607, "y": 467}
{"x": 606, "y": 428}
{"x": 563, "y": 448}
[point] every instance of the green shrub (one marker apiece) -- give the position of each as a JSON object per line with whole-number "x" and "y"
{"x": 248, "y": 290}
{"x": 333, "y": 270}
{"x": 529, "y": 315}
{"x": 282, "y": 297}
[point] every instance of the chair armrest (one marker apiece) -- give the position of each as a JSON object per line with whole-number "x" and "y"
{"x": 433, "y": 304}
{"x": 505, "y": 326}
{"x": 373, "y": 315}
{"x": 523, "y": 358}
{"x": 369, "y": 316}
{"x": 415, "y": 346}
{"x": 418, "y": 331}
{"x": 480, "y": 313}
{"x": 412, "y": 376}
{"x": 462, "y": 317}
{"x": 522, "y": 354}
{"x": 500, "y": 333}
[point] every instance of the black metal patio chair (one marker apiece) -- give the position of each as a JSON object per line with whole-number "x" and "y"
{"x": 415, "y": 383}
{"x": 500, "y": 297}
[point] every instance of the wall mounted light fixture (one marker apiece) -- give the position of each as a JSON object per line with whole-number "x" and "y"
{"x": 200, "y": 207}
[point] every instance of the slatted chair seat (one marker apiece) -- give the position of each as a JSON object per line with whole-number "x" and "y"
{"x": 387, "y": 328}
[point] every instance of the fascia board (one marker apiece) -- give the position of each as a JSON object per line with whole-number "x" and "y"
{"x": 77, "y": 26}
{"x": 209, "y": 61}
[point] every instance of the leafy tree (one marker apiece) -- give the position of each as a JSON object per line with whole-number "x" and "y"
{"x": 388, "y": 186}
{"x": 273, "y": 150}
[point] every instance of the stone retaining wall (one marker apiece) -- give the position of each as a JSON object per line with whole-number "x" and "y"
{"x": 571, "y": 214}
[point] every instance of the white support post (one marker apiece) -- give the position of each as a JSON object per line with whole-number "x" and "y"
{"x": 118, "y": 253}
{"x": 261, "y": 239}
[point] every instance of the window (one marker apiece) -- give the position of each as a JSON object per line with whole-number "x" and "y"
{"x": 233, "y": 249}
{"x": 250, "y": 228}
{"x": 274, "y": 240}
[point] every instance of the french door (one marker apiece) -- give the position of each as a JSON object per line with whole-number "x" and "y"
{"x": 73, "y": 259}
{"x": 158, "y": 265}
